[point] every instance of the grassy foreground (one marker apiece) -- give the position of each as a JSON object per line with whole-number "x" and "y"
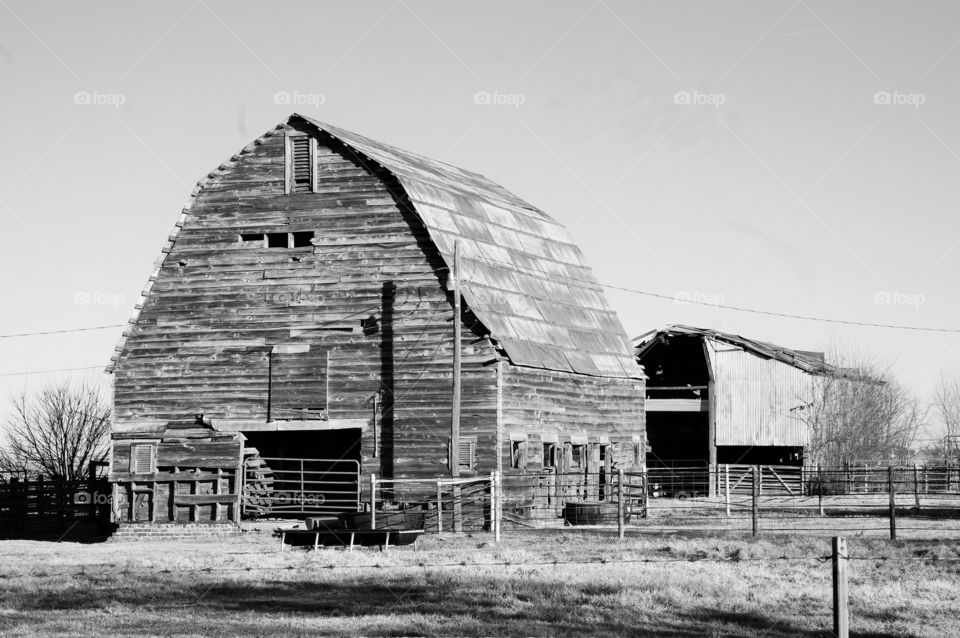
{"x": 246, "y": 587}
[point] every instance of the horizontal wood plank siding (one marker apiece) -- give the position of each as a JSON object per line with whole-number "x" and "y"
{"x": 564, "y": 407}
{"x": 369, "y": 291}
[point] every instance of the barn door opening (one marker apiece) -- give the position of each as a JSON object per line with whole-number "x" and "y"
{"x": 301, "y": 473}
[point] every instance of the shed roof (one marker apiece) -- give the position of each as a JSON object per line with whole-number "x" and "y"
{"x": 522, "y": 275}
{"x": 812, "y": 362}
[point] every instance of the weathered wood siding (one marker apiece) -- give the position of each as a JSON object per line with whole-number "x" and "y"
{"x": 543, "y": 407}
{"x": 368, "y": 293}
{"x": 195, "y": 477}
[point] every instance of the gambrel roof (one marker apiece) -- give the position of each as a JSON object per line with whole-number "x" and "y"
{"x": 522, "y": 275}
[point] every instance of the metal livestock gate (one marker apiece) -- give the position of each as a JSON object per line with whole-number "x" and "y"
{"x": 279, "y": 487}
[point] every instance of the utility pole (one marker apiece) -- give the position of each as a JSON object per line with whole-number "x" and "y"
{"x": 455, "y": 411}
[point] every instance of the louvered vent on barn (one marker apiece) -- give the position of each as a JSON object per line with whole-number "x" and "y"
{"x": 142, "y": 457}
{"x": 300, "y": 165}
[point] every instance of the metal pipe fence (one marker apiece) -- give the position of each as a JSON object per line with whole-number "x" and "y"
{"x": 442, "y": 504}
{"x": 755, "y": 499}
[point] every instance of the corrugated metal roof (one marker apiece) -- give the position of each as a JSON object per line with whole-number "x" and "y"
{"x": 812, "y": 362}
{"x": 523, "y": 277}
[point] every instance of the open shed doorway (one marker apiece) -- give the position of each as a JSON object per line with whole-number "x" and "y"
{"x": 302, "y": 472}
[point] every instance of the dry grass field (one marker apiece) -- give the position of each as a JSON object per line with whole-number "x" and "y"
{"x": 691, "y": 587}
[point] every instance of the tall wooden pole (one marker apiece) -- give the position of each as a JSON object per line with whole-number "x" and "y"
{"x": 893, "y": 503}
{"x": 841, "y": 620}
{"x": 455, "y": 411}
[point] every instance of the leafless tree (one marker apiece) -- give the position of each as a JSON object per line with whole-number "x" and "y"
{"x": 862, "y": 413}
{"x": 946, "y": 407}
{"x": 57, "y": 431}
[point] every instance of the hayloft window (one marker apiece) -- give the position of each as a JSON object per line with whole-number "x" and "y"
{"x": 297, "y": 239}
{"x": 301, "y": 151}
{"x": 301, "y": 239}
{"x": 143, "y": 458}
{"x": 278, "y": 240}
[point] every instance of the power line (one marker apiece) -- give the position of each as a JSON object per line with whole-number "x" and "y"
{"x": 57, "y": 332}
{"x": 16, "y": 374}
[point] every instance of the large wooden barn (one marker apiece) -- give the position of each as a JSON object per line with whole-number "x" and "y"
{"x": 304, "y": 307}
{"x": 719, "y": 398}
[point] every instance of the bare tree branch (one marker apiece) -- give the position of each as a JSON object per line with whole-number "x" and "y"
{"x": 58, "y": 431}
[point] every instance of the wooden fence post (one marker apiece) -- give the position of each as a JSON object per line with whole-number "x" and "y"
{"x": 457, "y": 508}
{"x": 916, "y": 485}
{"x": 756, "y": 499}
{"x": 373, "y": 501}
{"x": 498, "y": 511}
{"x": 620, "y": 503}
{"x": 726, "y": 486}
{"x": 493, "y": 502}
{"x": 841, "y": 620}
{"x": 439, "y": 507}
{"x": 820, "y": 488}
{"x": 893, "y": 504}
{"x": 41, "y": 495}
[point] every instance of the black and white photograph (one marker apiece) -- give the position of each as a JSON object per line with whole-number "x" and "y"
{"x": 531, "y": 318}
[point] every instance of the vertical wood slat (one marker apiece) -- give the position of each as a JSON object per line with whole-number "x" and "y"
{"x": 216, "y": 490}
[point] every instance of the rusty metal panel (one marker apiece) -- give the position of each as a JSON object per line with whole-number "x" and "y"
{"x": 759, "y": 401}
{"x": 549, "y": 298}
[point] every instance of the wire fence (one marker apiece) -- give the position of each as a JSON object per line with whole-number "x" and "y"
{"x": 441, "y": 505}
{"x": 918, "y": 501}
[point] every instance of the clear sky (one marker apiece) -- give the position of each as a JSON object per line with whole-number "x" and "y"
{"x": 796, "y": 157}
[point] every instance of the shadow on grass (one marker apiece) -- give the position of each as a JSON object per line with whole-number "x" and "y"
{"x": 338, "y": 603}
{"x": 69, "y": 533}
